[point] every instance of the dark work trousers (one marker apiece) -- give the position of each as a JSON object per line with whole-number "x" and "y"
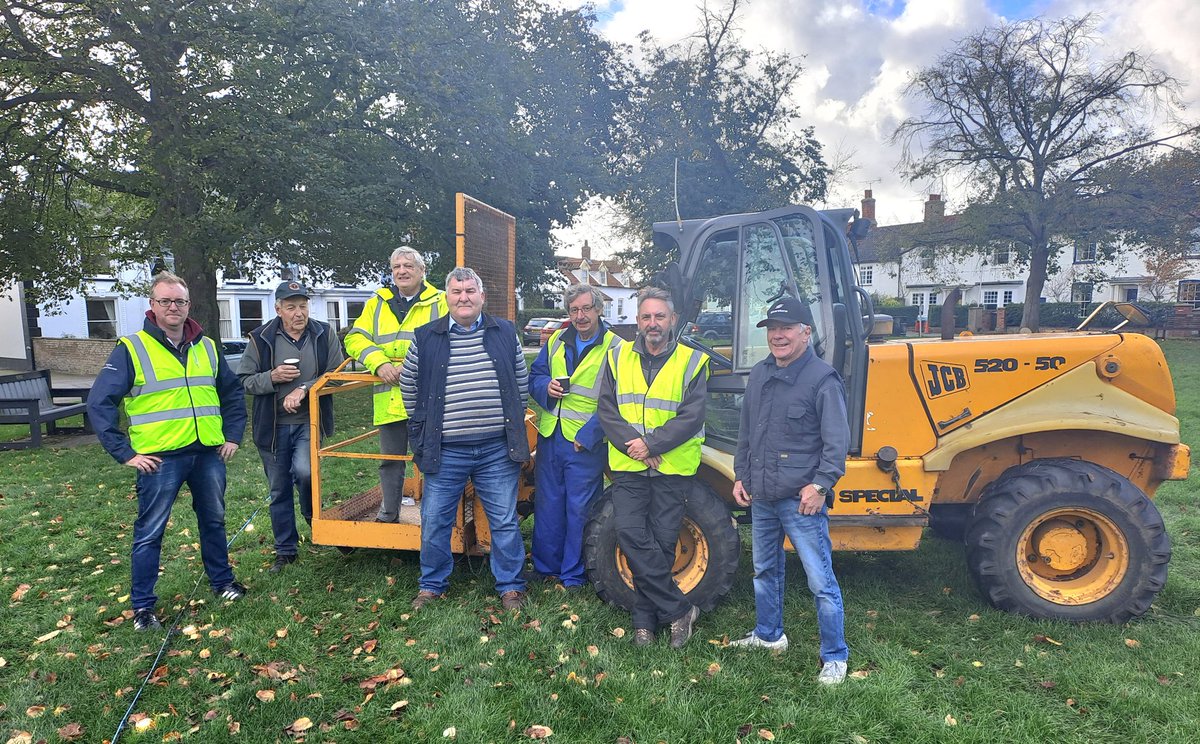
{"x": 393, "y": 440}
{"x": 649, "y": 512}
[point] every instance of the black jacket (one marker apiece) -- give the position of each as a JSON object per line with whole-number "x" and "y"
{"x": 264, "y": 409}
{"x": 794, "y": 429}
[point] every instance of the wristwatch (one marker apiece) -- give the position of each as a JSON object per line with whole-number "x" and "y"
{"x": 821, "y": 490}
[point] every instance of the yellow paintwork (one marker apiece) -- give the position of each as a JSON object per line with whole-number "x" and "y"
{"x": 1079, "y": 400}
{"x": 894, "y": 415}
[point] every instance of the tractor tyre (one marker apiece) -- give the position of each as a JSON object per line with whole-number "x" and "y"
{"x": 706, "y": 556}
{"x": 1068, "y": 540}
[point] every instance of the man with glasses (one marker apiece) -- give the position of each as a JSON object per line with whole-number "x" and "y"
{"x": 379, "y": 340}
{"x": 186, "y": 417}
{"x": 564, "y": 383}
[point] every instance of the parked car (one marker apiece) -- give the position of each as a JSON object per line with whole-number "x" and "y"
{"x": 232, "y": 351}
{"x": 531, "y": 334}
{"x": 548, "y": 330}
{"x": 713, "y": 325}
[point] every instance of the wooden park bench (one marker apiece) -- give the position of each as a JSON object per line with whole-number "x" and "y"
{"x": 28, "y": 398}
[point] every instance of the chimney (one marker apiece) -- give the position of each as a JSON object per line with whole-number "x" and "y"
{"x": 586, "y": 252}
{"x": 935, "y": 208}
{"x": 868, "y": 206}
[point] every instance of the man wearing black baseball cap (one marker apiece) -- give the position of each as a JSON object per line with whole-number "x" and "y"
{"x": 791, "y": 451}
{"x": 283, "y": 359}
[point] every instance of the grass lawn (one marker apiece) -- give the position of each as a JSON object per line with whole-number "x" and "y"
{"x": 328, "y": 651}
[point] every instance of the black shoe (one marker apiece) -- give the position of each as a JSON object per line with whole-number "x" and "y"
{"x": 144, "y": 619}
{"x": 281, "y": 561}
{"x": 232, "y": 591}
{"x": 643, "y": 637}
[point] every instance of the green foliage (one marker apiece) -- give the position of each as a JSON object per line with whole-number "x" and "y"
{"x": 250, "y": 135}
{"x": 724, "y": 112}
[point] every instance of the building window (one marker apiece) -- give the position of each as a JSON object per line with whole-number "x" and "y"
{"x": 101, "y": 318}
{"x": 933, "y": 298}
{"x": 918, "y": 299}
{"x": 866, "y": 275}
{"x": 1001, "y": 256}
{"x": 1189, "y": 292}
{"x": 989, "y": 298}
{"x": 1085, "y": 253}
{"x": 354, "y": 309}
{"x": 1130, "y": 293}
{"x": 1081, "y": 292}
{"x": 1008, "y": 296}
{"x": 927, "y": 259}
{"x": 226, "y": 319}
{"x": 251, "y": 314}
{"x": 620, "y": 308}
{"x": 333, "y": 314}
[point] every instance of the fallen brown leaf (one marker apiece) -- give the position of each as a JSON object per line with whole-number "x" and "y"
{"x": 1131, "y": 643}
{"x": 538, "y": 731}
{"x": 19, "y": 594}
{"x": 71, "y": 731}
{"x": 265, "y": 696}
{"x": 766, "y": 735}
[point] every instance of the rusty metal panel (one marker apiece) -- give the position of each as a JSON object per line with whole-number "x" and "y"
{"x": 486, "y": 241}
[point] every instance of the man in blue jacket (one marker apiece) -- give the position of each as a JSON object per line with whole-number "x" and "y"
{"x": 186, "y": 415}
{"x": 284, "y": 358}
{"x": 564, "y": 382}
{"x": 792, "y": 448}
{"x": 464, "y": 384}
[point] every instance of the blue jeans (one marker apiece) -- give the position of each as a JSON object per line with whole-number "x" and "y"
{"x": 495, "y": 476}
{"x": 205, "y": 475}
{"x": 567, "y": 484}
{"x": 810, "y": 536}
{"x": 288, "y": 469}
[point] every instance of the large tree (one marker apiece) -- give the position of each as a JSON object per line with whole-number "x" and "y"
{"x": 1032, "y": 114}
{"x": 256, "y": 133}
{"x": 724, "y": 113}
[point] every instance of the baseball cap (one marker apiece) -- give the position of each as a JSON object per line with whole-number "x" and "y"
{"x": 787, "y": 310}
{"x": 289, "y": 289}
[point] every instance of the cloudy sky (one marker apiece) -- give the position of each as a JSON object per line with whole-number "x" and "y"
{"x": 858, "y": 55}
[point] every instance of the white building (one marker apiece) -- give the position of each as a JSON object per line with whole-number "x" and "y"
{"x": 101, "y": 312}
{"x": 610, "y": 277}
{"x": 993, "y": 278}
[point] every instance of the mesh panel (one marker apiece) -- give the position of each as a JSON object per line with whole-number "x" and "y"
{"x": 487, "y": 243}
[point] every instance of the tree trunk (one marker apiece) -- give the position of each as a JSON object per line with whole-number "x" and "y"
{"x": 1039, "y": 256}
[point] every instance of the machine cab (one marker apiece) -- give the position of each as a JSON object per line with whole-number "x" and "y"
{"x": 732, "y": 268}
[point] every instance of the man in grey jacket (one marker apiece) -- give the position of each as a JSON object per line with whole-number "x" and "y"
{"x": 284, "y": 358}
{"x": 791, "y": 452}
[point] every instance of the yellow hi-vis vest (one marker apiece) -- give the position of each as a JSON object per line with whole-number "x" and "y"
{"x": 647, "y": 407}
{"x": 169, "y": 406}
{"x": 378, "y": 337}
{"x": 579, "y": 404}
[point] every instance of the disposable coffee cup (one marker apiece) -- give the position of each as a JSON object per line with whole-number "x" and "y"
{"x": 293, "y": 362}
{"x": 564, "y": 383}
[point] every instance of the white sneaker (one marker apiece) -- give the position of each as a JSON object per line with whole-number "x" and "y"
{"x": 408, "y": 501}
{"x": 753, "y": 641}
{"x": 833, "y": 673}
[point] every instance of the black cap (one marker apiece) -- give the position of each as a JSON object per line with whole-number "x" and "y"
{"x": 289, "y": 289}
{"x": 787, "y": 310}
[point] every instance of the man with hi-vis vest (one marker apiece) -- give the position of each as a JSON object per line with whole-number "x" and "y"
{"x": 651, "y": 406}
{"x": 379, "y": 340}
{"x": 564, "y": 383}
{"x": 186, "y": 415}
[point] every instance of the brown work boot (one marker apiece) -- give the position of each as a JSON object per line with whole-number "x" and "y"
{"x": 425, "y": 597}
{"x": 643, "y": 637}
{"x": 513, "y": 600}
{"x": 681, "y": 629}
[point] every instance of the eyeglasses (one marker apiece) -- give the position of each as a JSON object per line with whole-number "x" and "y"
{"x": 161, "y": 302}
{"x": 581, "y": 310}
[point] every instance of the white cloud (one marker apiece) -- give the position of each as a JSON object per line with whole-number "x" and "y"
{"x": 858, "y": 55}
